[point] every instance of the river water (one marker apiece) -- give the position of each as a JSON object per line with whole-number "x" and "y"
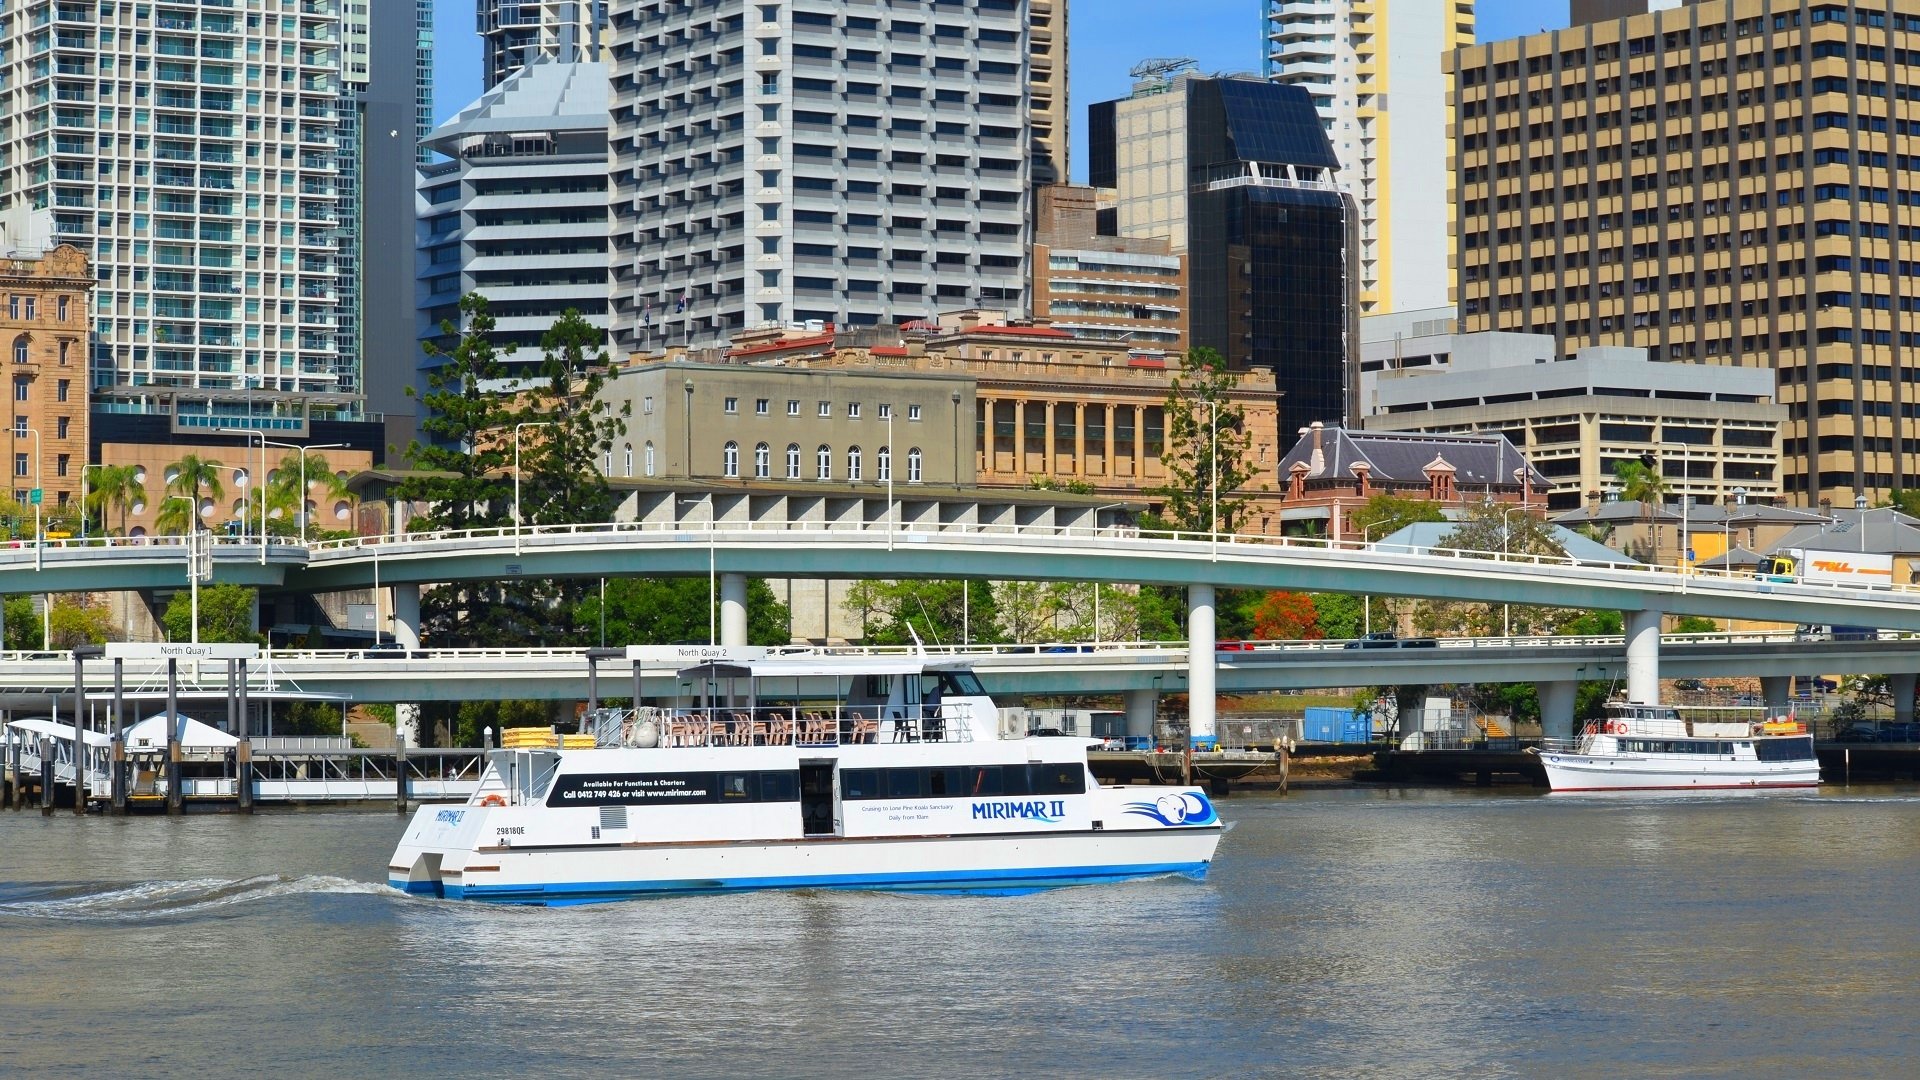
{"x": 1342, "y": 933}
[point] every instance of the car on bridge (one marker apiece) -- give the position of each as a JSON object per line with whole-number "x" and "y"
{"x": 1387, "y": 639}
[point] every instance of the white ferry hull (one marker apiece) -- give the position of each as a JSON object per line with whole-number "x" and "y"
{"x": 1592, "y": 772}
{"x": 1001, "y": 864}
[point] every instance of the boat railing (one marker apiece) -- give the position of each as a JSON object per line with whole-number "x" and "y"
{"x": 821, "y": 725}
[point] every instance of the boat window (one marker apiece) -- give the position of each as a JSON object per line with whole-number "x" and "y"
{"x": 879, "y": 687}
{"x": 1059, "y": 779}
{"x": 961, "y": 684}
{"x": 1015, "y": 781}
{"x": 948, "y": 781}
{"x": 733, "y": 787}
{"x": 1783, "y": 749}
{"x": 983, "y": 780}
{"x": 779, "y": 787}
{"x": 859, "y": 783}
{"x": 903, "y": 783}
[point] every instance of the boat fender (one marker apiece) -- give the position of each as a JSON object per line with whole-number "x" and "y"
{"x": 493, "y": 800}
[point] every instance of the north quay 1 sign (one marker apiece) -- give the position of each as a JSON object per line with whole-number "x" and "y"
{"x": 161, "y": 650}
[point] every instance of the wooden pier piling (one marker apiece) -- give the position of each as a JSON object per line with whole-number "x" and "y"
{"x": 176, "y": 786}
{"x": 399, "y": 771}
{"x": 119, "y": 779}
{"x": 46, "y": 776}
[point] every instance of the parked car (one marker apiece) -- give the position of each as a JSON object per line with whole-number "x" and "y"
{"x": 1690, "y": 686}
{"x": 1233, "y": 646}
{"x": 1386, "y": 639}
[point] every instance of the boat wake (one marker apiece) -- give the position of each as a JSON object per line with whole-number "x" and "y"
{"x": 173, "y": 899}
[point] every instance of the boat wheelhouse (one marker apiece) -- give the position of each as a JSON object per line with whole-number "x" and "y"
{"x": 789, "y": 770}
{"x": 1640, "y": 747}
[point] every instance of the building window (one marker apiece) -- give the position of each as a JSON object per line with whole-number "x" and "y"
{"x": 60, "y": 390}
{"x": 883, "y": 464}
{"x": 63, "y": 309}
{"x": 730, "y": 460}
{"x": 793, "y": 408}
{"x": 60, "y": 465}
{"x": 606, "y": 462}
{"x": 20, "y": 388}
{"x": 826, "y": 410}
{"x": 793, "y": 461}
{"x": 646, "y": 405}
{"x": 760, "y": 406}
{"x": 627, "y": 454}
{"x": 20, "y": 349}
{"x": 63, "y": 352}
{"x": 61, "y": 432}
{"x": 853, "y": 410}
{"x": 885, "y": 412}
{"x": 648, "y": 462}
{"x": 33, "y": 307}
{"x": 913, "y": 412}
{"x": 914, "y": 459}
{"x": 853, "y": 463}
{"x": 19, "y": 464}
{"x": 762, "y": 462}
{"x": 13, "y": 307}
{"x": 733, "y": 406}
{"x": 823, "y": 463}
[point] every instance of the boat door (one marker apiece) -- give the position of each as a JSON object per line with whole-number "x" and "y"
{"x": 818, "y": 809}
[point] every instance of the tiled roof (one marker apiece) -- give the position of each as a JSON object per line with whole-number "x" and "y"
{"x": 1403, "y": 457}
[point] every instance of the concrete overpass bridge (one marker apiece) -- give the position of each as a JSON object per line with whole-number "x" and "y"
{"x": 1142, "y": 670}
{"x": 732, "y": 551}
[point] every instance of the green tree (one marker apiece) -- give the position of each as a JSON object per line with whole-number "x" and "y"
{"x": 1206, "y": 451}
{"x": 80, "y": 620}
{"x": 1639, "y": 481}
{"x": 463, "y": 464}
{"x": 226, "y": 614}
{"x": 1384, "y": 514}
{"x": 1492, "y": 530}
{"x": 1906, "y": 500}
{"x": 661, "y": 611}
{"x": 1695, "y": 624}
{"x": 286, "y": 502}
{"x": 188, "y": 480}
{"x": 114, "y": 487}
{"x": 941, "y": 612}
{"x": 1338, "y": 615}
{"x": 563, "y": 483}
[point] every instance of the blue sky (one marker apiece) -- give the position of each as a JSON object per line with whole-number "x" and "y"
{"x": 1108, "y": 38}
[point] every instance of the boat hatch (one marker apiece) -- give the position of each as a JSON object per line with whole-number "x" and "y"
{"x": 817, "y": 815}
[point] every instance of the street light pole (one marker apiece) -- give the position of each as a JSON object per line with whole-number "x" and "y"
{"x": 300, "y": 502}
{"x": 516, "y": 478}
{"x": 712, "y": 577}
{"x": 1506, "y": 534}
{"x": 1096, "y": 585}
{"x": 1686, "y": 470}
{"x": 258, "y": 488}
{"x": 893, "y": 513}
{"x": 193, "y": 563}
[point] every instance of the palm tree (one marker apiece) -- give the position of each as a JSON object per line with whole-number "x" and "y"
{"x": 189, "y": 477}
{"x": 285, "y": 502}
{"x": 1641, "y": 482}
{"x": 118, "y": 487}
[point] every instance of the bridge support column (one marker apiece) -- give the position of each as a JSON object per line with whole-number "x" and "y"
{"x": 1142, "y": 706}
{"x": 1902, "y": 687}
{"x": 1556, "y": 708}
{"x": 733, "y": 609}
{"x": 406, "y": 616}
{"x": 1643, "y": 657}
{"x": 1776, "y": 690}
{"x": 1200, "y": 667}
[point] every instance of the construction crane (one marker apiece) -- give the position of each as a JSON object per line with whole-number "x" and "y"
{"x": 1162, "y": 69}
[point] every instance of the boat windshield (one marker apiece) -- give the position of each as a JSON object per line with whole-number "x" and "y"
{"x": 961, "y": 684}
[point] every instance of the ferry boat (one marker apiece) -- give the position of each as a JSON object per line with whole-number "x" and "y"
{"x": 800, "y": 771}
{"x": 1663, "y": 748}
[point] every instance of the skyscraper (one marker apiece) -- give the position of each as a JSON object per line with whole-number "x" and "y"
{"x": 1374, "y": 70}
{"x": 515, "y": 33}
{"x": 1719, "y": 183}
{"x": 815, "y": 159}
{"x": 1048, "y": 90}
{"x": 212, "y": 160}
{"x": 1237, "y": 173}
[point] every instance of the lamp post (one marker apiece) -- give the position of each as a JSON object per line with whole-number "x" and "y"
{"x": 1506, "y": 534}
{"x": 1860, "y": 508}
{"x": 1096, "y": 585}
{"x": 258, "y": 488}
{"x": 193, "y": 562}
{"x": 1366, "y": 602}
{"x": 516, "y": 478}
{"x": 83, "y": 499}
{"x": 1686, "y": 540}
{"x": 893, "y": 513}
{"x": 712, "y": 587}
{"x": 300, "y": 505}
{"x": 1726, "y": 531}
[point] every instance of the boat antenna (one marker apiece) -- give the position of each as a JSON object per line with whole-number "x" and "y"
{"x": 931, "y": 629}
{"x": 918, "y": 648}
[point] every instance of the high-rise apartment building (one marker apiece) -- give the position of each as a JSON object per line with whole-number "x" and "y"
{"x": 1717, "y": 183}
{"x": 212, "y": 159}
{"x": 1374, "y": 70}
{"x": 1047, "y": 88}
{"x": 790, "y": 160}
{"x": 519, "y": 211}
{"x": 1237, "y": 173}
{"x": 515, "y": 33}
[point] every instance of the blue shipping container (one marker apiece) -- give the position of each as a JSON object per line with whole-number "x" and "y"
{"x": 1334, "y": 725}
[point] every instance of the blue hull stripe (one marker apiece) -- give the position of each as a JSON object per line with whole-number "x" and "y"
{"x": 999, "y": 882}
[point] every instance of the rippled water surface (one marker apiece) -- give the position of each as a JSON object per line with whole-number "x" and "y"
{"x": 1348, "y": 933}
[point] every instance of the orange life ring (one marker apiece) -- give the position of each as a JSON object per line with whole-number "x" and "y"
{"x": 493, "y": 800}
{"x": 1617, "y": 727}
